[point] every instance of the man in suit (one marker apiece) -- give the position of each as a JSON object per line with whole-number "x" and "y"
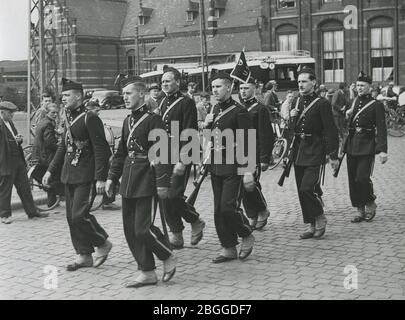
{"x": 178, "y": 110}
{"x": 191, "y": 89}
{"x": 316, "y": 138}
{"x": 140, "y": 184}
{"x": 339, "y": 107}
{"x": 13, "y": 167}
{"x": 367, "y": 137}
{"x": 254, "y": 202}
{"x": 82, "y": 156}
{"x": 155, "y": 96}
{"x": 227, "y": 178}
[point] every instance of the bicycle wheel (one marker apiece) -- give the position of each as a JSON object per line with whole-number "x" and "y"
{"x": 55, "y": 205}
{"x": 279, "y": 151}
{"x": 396, "y": 130}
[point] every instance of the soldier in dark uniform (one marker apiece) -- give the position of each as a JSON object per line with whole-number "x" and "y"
{"x": 367, "y": 137}
{"x": 254, "y": 201}
{"x": 227, "y": 178}
{"x": 177, "y": 109}
{"x": 83, "y": 155}
{"x": 13, "y": 167}
{"x": 316, "y": 137}
{"x": 139, "y": 185}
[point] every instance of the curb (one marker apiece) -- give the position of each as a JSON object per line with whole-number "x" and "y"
{"x": 16, "y": 205}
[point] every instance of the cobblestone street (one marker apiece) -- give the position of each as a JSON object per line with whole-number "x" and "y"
{"x": 281, "y": 266}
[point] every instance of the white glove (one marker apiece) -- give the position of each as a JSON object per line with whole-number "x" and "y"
{"x": 179, "y": 169}
{"x": 249, "y": 182}
{"x": 46, "y": 178}
{"x": 109, "y": 186}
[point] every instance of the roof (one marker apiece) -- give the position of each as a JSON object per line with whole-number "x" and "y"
{"x": 12, "y": 66}
{"x": 172, "y": 16}
{"x": 100, "y": 18}
{"x": 221, "y": 43}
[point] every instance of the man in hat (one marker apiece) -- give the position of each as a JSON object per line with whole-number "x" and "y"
{"x": 82, "y": 156}
{"x": 13, "y": 167}
{"x": 339, "y": 108}
{"x": 254, "y": 201}
{"x": 178, "y": 110}
{"x": 227, "y": 178}
{"x": 271, "y": 100}
{"x": 316, "y": 137}
{"x": 155, "y": 96}
{"x": 191, "y": 89}
{"x": 140, "y": 184}
{"x": 367, "y": 137}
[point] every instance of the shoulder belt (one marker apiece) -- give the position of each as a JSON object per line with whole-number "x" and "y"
{"x": 253, "y": 106}
{"x": 362, "y": 109}
{"x": 224, "y": 113}
{"x": 308, "y": 108}
{"x": 131, "y": 132}
{"x": 169, "y": 108}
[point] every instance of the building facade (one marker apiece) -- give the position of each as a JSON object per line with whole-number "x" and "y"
{"x": 97, "y": 39}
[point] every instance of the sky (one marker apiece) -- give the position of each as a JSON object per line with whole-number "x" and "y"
{"x": 13, "y": 29}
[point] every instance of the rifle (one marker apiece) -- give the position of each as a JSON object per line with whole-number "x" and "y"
{"x": 198, "y": 182}
{"x": 287, "y": 169}
{"x": 336, "y": 173}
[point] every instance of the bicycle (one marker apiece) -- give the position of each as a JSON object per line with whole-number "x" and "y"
{"x": 281, "y": 144}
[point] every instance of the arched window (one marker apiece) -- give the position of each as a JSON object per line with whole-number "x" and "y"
{"x": 382, "y": 49}
{"x": 66, "y": 62}
{"x": 333, "y": 51}
{"x": 287, "y": 38}
{"x": 131, "y": 62}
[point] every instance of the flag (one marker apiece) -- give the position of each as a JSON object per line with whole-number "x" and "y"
{"x": 241, "y": 71}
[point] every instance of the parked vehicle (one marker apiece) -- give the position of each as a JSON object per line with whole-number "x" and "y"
{"x": 108, "y": 99}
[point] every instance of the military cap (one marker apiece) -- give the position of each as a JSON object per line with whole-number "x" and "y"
{"x": 304, "y": 69}
{"x": 252, "y": 80}
{"x": 7, "y": 105}
{"x": 154, "y": 86}
{"x": 364, "y": 78}
{"x": 221, "y": 75}
{"x": 71, "y": 85}
{"x": 131, "y": 80}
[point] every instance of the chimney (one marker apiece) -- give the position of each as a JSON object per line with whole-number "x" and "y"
{"x": 212, "y": 20}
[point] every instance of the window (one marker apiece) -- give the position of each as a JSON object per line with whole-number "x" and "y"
{"x": 190, "y": 16}
{"x": 66, "y": 62}
{"x": 288, "y": 42}
{"x": 333, "y": 56}
{"x": 142, "y": 20}
{"x": 331, "y": 1}
{"x": 131, "y": 62}
{"x": 382, "y": 54}
{"x": 217, "y": 13}
{"x": 286, "y": 4}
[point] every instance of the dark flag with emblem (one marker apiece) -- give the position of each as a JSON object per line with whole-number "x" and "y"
{"x": 241, "y": 71}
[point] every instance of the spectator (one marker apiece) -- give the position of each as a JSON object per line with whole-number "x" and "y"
{"x": 44, "y": 149}
{"x": 339, "y": 107}
{"x": 13, "y": 167}
{"x": 191, "y": 89}
{"x": 155, "y": 96}
{"x": 203, "y": 108}
{"x": 42, "y": 112}
{"x": 270, "y": 98}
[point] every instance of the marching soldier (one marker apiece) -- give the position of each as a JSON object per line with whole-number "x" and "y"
{"x": 254, "y": 201}
{"x": 138, "y": 186}
{"x": 83, "y": 156}
{"x": 177, "y": 109}
{"x": 13, "y": 167}
{"x": 316, "y": 137}
{"x": 367, "y": 137}
{"x": 230, "y": 222}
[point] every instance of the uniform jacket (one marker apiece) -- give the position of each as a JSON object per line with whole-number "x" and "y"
{"x": 238, "y": 118}
{"x": 46, "y": 142}
{"x": 265, "y": 138}
{"x": 321, "y": 135}
{"x": 93, "y": 162}
{"x": 371, "y": 137}
{"x": 6, "y": 160}
{"x": 184, "y": 112}
{"x": 139, "y": 179}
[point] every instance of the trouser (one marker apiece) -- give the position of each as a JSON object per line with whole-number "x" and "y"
{"x": 143, "y": 238}
{"x": 176, "y": 207}
{"x": 230, "y": 222}
{"x": 359, "y": 169}
{"x": 19, "y": 179}
{"x": 254, "y": 201}
{"x": 309, "y": 191}
{"x": 85, "y": 231}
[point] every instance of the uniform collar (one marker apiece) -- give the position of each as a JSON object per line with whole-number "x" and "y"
{"x": 310, "y": 97}
{"x": 366, "y": 97}
{"x": 174, "y": 95}
{"x": 248, "y": 103}
{"x": 139, "y": 112}
{"x": 76, "y": 112}
{"x": 226, "y": 104}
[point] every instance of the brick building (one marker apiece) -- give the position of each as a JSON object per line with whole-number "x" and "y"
{"x": 102, "y": 37}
